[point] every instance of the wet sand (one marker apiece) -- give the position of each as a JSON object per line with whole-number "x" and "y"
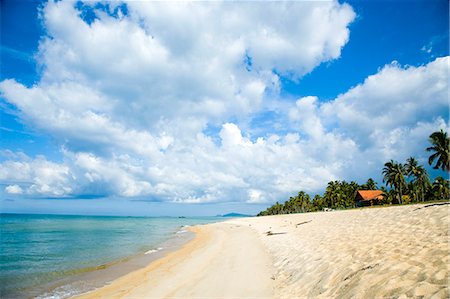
{"x": 88, "y": 279}
{"x": 224, "y": 260}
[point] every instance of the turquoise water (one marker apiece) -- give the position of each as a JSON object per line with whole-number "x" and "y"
{"x": 38, "y": 249}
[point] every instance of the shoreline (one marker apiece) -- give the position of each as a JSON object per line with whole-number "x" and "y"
{"x": 363, "y": 253}
{"x": 198, "y": 268}
{"x": 158, "y": 260}
{"x": 99, "y": 276}
{"x": 54, "y": 256}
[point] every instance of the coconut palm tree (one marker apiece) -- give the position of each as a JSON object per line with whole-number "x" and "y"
{"x": 421, "y": 180}
{"x": 318, "y": 203}
{"x": 419, "y": 176}
{"x": 332, "y": 193}
{"x": 440, "y": 149}
{"x": 441, "y": 188}
{"x": 393, "y": 175}
{"x": 350, "y": 192}
{"x": 411, "y": 166}
{"x": 369, "y": 185}
{"x": 411, "y": 170}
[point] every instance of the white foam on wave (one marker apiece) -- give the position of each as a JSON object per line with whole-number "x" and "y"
{"x": 153, "y": 250}
{"x": 61, "y": 292}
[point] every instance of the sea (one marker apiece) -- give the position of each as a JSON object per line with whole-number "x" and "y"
{"x": 58, "y": 256}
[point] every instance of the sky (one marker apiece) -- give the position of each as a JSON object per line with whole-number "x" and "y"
{"x": 205, "y": 108}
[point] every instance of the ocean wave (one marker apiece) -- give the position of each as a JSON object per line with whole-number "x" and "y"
{"x": 153, "y": 250}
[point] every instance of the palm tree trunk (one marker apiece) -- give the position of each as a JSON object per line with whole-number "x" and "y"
{"x": 421, "y": 193}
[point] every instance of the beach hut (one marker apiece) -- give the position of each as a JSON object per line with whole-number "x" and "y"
{"x": 368, "y": 197}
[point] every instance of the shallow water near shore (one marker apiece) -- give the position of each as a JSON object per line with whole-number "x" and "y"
{"x": 55, "y": 256}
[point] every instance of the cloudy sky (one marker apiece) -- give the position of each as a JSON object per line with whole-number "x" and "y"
{"x": 201, "y": 108}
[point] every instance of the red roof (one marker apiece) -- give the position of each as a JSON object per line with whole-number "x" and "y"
{"x": 370, "y": 194}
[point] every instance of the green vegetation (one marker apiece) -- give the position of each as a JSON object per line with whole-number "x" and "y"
{"x": 440, "y": 149}
{"x": 394, "y": 176}
{"x": 405, "y": 183}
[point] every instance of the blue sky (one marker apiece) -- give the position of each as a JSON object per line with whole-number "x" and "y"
{"x": 205, "y": 108}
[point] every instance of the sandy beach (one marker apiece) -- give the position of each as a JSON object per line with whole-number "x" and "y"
{"x": 398, "y": 252}
{"x": 224, "y": 260}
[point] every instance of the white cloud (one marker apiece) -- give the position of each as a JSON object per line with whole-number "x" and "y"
{"x": 255, "y": 196}
{"x": 146, "y": 65}
{"x": 393, "y": 103}
{"x": 305, "y": 114}
{"x": 139, "y": 75}
{"x": 412, "y": 94}
{"x": 130, "y": 99}
{"x": 13, "y": 189}
{"x": 388, "y": 116}
{"x": 38, "y": 176}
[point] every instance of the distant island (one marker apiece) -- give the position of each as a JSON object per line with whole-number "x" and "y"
{"x": 234, "y": 215}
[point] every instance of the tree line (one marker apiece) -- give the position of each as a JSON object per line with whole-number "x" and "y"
{"x": 405, "y": 183}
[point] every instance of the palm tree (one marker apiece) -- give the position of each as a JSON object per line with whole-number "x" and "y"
{"x": 318, "y": 204}
{"x": 418, "y": 174}
{"x": 411, "y": 166}
{"x": 440, "y": 149}
{"x": 332, "y": 194}
{"x": 411, "y": 170}
{"x": 304, "y": 201}
{"x": 288, "y": 206}
{"x": 422, "y": 180}
{"x": 412, "y": 191}
{"x": 299, "y": 204}
{"x": 441, "y": 188}
{"x": 369, "y": 185}
{"x": 394, "y": 176}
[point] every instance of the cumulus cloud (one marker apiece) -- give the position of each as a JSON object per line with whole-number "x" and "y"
{"x": 305, "y": 114}
{"x": 41, "y": 176}
{"x": 209, "y": 61}
{"x": 394, "y": 97}
{"x": 388, "y": 116}
{"x": 130, "y": 96}
{"x": 395, "y": 101}
{"x": 13, "y": 189}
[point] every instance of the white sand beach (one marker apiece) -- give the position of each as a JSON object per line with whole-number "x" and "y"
{"x": 399, "y": 252}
